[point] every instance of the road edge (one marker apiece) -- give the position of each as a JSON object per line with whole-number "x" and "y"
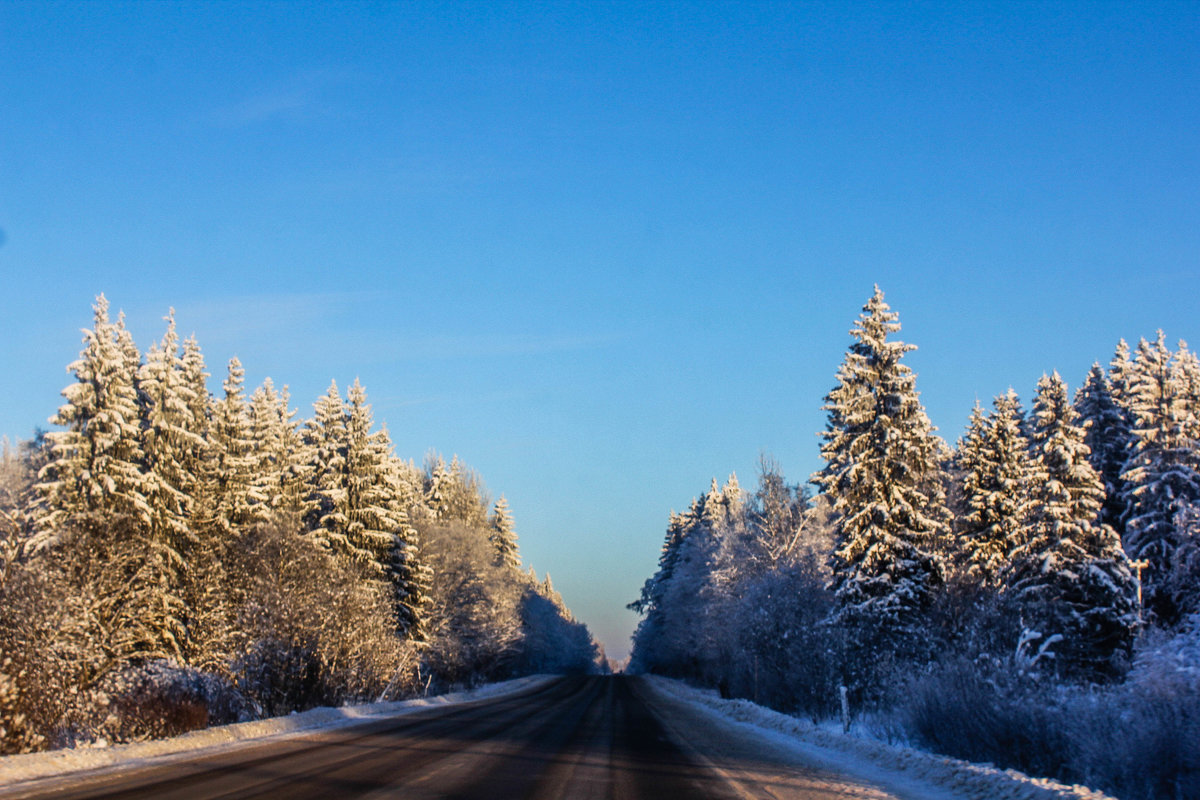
{"x": 964, "y": 778}
{"x": 26, "y": 767}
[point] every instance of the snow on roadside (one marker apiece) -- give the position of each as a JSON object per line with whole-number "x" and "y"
{"x": 31, "y": 766}
{"x": 963, "y": 778}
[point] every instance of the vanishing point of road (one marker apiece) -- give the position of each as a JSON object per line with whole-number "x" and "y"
{"x": 591, "y": 738}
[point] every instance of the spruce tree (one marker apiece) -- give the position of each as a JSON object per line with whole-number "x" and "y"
{"x": 410, "y": 576}
{"x": 326, "y": 441}
{"x": 372, "y": 512}
{"x": 96, "y": 463}
{"x": 170, "y": 437}
{"x": 1108, "y": 439}
{"x": 996, "y": 485}
{"x": 232, "y": 454}
{"x": 279, "y": 485}
{"x": 1121, "y": 376}
{"x": 883, "y": 477}
{"x": 503, "y": 536}
{"x": 1071, "y": 578}
{"x": 1162, "y": 475}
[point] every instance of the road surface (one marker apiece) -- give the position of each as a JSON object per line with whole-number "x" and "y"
{"x": 582, "y": 737}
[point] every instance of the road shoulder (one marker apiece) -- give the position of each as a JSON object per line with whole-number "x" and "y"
{"x": 24, "y": 768}
{"x": 902, "y": 771}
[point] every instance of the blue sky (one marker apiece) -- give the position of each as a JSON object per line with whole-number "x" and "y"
{"x": 603, "y": 252}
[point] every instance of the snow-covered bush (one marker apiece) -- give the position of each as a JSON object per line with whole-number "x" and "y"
{"x": 1141, "y": 740}
{"x": 989, "y": 711}
{"x": 158, "y": 699}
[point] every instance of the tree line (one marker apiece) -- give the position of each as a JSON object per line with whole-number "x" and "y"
{"x": 170, "y": 559}
{"x": 1015, "y": 598}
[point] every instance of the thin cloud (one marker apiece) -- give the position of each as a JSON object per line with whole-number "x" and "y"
{"x": 301, "y": 98}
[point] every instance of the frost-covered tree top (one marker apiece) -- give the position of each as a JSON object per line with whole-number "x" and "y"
{"x": 882, "y": 476}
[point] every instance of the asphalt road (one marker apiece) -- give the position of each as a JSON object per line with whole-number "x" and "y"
{"x": 595, "y": 737}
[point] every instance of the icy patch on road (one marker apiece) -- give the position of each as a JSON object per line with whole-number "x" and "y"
{"x": 32, "y": 766}
{"x": 963, "y": 779}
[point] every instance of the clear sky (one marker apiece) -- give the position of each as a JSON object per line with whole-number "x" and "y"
{"x": 601, "y": 251}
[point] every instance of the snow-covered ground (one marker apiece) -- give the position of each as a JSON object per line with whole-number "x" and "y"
{"x": 32, "y": 766}
{"x": 876, "y": 761}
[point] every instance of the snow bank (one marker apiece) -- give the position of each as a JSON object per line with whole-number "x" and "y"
{"x": 31, "y": 766}
{"x": 963, "y": 778}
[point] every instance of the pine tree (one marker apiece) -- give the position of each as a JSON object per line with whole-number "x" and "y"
{"x": 1108, "y": 439}
{"x": 1071, "y": 578}
{"x": 882, "y": 475}
{"x": 1162, "y": 474}
{"x": 996, "y": 486}
{"x": 503, "y": 536}
{"x": 96, "y": 463}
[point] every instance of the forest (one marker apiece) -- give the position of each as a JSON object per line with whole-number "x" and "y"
{"x": 1029, "y": 597}
{"x": 170, "y": 559}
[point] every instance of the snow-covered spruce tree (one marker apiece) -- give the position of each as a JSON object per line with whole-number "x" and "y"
{"x": 994, "y": 456}
{"x": 1108, "y": 439}
{"x": 883, "y": 477}
{"x": 1071, "y": 578}
{"x": 503, "y": 535}
{"x": 1162, "y": 475}
{"x": 279, "y": 485}
{"x": 411, "y": 577}
{"x": 1188, "y": 366}
{"x": 1121, "y": 376}
{"x": 358, "y": 524}
{"x": 96, "y": 463}
{"x": 435, "y": 490}
{"x": 170, "y": 437}
{"x": 98, "y": 520}
{"x": 231, "y": 455}
{"x": 325, "y": 438}
{"x": 359, "y": 496}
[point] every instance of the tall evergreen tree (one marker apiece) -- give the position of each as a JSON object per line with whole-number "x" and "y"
{"x": 996, "y": 487}
{"x": 232, "y": 454}
{"x": 1071, "y": 576}
{"x": 372, "y": 512}
{"x": 279, "y": 486}
{"x": 96, "y": 463}
{"x": 1121, "y": 376}
{"x": 1108, "y": 439}
{"x": 411, "y": 577}
{"x": 503, "y": 536}
{"x": 883, "y": 477}
{"x": 1162, "y": 474}
{"x": 325, "y": 438}
{"x": 170, "y": 437}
